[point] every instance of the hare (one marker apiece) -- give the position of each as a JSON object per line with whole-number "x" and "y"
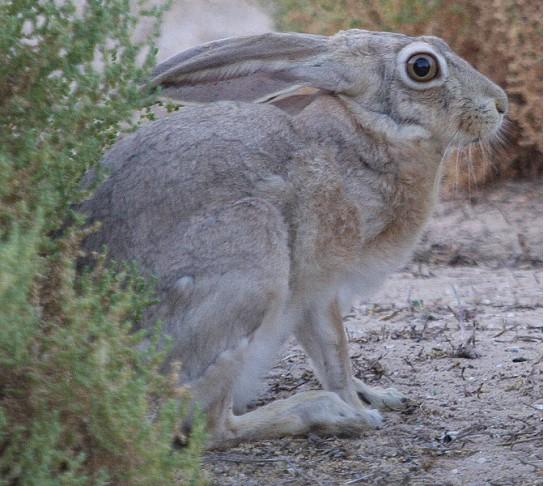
{"x": 300, "y": 173}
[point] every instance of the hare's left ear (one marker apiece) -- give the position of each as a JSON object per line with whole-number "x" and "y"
{"x": 253, "y": 68}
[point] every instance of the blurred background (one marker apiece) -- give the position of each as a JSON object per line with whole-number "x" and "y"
{"x": 502, "y": 38}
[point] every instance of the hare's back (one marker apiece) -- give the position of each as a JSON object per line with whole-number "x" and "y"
{"x": 183, "y": 166}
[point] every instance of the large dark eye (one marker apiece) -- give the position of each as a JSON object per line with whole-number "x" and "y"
{"x": 422, "y": 67}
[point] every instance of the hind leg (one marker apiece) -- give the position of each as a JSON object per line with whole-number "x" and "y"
{"x": 226, "y": 314}
{"x": 314, "y": 411}
{"x": 226, "y": 289}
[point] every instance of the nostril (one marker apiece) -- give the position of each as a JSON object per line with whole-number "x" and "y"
{"x": 500, "y": 105}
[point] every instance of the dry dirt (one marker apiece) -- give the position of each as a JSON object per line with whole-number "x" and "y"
{"x": 459, "y": 330}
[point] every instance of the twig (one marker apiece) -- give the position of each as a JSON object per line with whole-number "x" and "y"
{"x": 460, "y": 315}
{"x": 289, "y": 356}
{"x": 529, "y": 339}
{"x": 536, "y": 467}
{"x": 450, "y": 436}
{"x": 532, "y": 406}
{"x": 357, "y": 480}
{"x": 521, "y": 441}
{"x": 410, "y": 364}
{"x": 390, "y": 316}
{"x": 242, "y": 459}
{"x": 505, "y": 328}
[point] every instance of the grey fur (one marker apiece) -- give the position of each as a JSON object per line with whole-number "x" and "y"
{"x": 265, "y": 219}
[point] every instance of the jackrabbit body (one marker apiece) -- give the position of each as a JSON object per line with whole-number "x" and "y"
{"x": 301, "y": 176}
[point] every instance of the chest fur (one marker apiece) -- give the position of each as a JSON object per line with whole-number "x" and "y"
{"x": 373, "y": 230}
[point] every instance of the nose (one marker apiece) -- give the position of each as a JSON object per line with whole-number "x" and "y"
{"x": 501, "y": 103}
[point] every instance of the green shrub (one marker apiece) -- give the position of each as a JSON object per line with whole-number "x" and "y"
{"x": 79, "y": 403}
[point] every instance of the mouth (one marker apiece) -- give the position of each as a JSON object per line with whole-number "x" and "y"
{"x": 489, "y": 136}
{"x": 461, "y": 141}
{"x": 481, "y": 129}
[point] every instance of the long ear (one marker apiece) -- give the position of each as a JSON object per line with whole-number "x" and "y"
{"x": 250, "y": 68}
{"x": 293, "y": 99}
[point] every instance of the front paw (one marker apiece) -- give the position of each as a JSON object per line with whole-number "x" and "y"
{"x": 382, "y": 399}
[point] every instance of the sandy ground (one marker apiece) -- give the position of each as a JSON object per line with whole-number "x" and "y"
{"x": 459, "y": 330}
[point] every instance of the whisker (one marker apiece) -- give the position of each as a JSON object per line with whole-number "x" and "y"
{"x": 497, "y": 146}
{"x": 503, "y": 135}
{"x": 470, "y": 170}
{"x": 459, "y": 154}
{"x": 452, "y": 147}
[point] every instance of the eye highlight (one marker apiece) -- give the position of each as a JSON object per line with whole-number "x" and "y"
{"x": 422, "y": 67}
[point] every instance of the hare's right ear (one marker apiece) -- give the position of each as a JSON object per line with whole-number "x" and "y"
{"x": 252, "y": 68}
